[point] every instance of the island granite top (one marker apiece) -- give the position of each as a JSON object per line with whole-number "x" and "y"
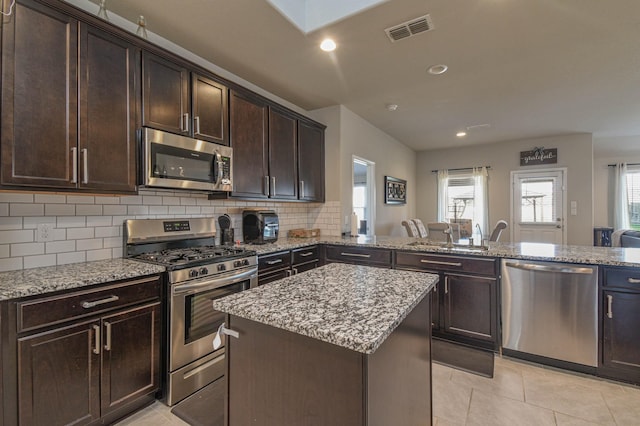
{"x": 613, "y": 256}
{"x": 30, "y": 282}
{"x": 356, "y": 307}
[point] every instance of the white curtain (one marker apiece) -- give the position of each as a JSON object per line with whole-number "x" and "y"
{"x": 443, "y": 185}
{"x": 481, "y": 199}
{"x": 621, "y": 203}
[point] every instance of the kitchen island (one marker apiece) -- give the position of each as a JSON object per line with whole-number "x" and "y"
{"x": 338, "y": 345}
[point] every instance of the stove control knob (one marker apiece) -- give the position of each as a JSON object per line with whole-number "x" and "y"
{"x": 245, "y": 262}
{"x": 222, "y": 267}
{"x": 237, "y": 263}
{"x": 204, "y": 271}
{"x": 193, "y": 273}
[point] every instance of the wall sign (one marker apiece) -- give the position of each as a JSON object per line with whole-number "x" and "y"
{"x": 395, "y": 190}
{"x": 539, "y": 156}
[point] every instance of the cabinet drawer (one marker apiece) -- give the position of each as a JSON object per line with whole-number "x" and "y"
{"x": 56, "y": 309}
{"x": 303, "y": 267}
{"x": 271, "y": 262}
{"x": 622, "y": 278}
{"x": 304, "y": 255}
{"x": 435, "y": 262}
{"x": 273, "y": 276}
{"x": 359, "y": 255}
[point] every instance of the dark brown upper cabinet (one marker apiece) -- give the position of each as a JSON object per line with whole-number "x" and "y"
{"x": 68, "y": 104}
{"x": 311, "y": 161}
{"x": 180, "y": 101}
{"x": 283, "y": 168}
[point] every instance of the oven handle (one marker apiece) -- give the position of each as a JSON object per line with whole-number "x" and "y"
{"x": 210, "y": 284}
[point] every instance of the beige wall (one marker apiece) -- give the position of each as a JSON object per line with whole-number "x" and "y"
{"x": 358, "y": 137}
{"x": 575, "y": 152}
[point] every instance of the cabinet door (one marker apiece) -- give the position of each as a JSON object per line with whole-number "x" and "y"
{"x": 248, "y": 132}
{"x": 469, "y": 307}
{"x": 59, "y": 376}
{"x": 130, "y": 356}
{"x": 210, "y": 108}
{"x": 39, "y": 97}
{"x": 165, "y": 93}
{"x": 108, "y": 122}
{"x": 311, "y": 162}
{"x": 283, "y": 168}
{"x": 621, "y": 332}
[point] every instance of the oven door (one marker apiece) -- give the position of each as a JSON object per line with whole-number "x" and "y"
{"x": 193, "y": 321}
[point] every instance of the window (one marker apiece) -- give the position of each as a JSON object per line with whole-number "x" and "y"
{"x": 537, "y": 201}
{"x": 633, "y": 197}
{"x": 462, "y": 198}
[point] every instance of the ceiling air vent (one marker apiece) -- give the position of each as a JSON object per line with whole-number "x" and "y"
{"x": 409, "y": 28}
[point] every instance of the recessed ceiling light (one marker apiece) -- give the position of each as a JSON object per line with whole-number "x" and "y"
{"x": 392, "y": 107}
{"x": 438, "y": 69}
{"x": 461, "y": 134}
{"x": 328, "y": 45}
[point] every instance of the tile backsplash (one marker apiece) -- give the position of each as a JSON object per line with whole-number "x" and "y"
{"x": 89, "y": 227}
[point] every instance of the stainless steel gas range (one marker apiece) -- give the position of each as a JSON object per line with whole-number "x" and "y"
{"x": 198, "y": 271}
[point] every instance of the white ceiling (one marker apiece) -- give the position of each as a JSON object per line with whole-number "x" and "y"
{"x": 528, "y": 68}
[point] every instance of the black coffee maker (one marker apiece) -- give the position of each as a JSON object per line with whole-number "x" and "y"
{"x": 226, "y": 231}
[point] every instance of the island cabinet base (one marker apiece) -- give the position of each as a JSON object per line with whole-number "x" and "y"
{"x": 278, "y": 377}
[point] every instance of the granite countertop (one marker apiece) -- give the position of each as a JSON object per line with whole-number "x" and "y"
{"x": 30, "y": 282}
{"x": 356, "y": 307}
{"x": 614, "y": 256}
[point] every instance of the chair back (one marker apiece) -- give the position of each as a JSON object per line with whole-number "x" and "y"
{"x": 500, "y": 226}
{"x": 422, "y": 231}
{"x": 412, "y": 231}
{"x": 436, "y": 231}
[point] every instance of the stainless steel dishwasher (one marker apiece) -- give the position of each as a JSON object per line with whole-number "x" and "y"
{"x": 550, "y": 309}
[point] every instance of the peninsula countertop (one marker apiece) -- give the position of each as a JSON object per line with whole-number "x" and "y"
{"x": 613, "y": 256}
{"x": 356, "y": 307}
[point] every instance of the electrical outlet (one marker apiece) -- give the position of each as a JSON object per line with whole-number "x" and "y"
{"x": 45, "y": 232}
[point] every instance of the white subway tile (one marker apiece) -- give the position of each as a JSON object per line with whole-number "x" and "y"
{"x": 26, "y": 249}
{"x": 60, "y": 209}
{"x": 116, "y": 252}
{"x": 71, "y": 221}
{"x": 137, "y": 210}
{"x": 80, "y": 233}
{"x": 73, "y": 257}
{"x": 184, "y": 201}
{"x": 50, "y": 198}
{"x": 4, "y": 209}
{"x": 171, "y": 201}
{"x": 177, "y": 210}
{"x": 33, "y": 221}
{"x": 107, "y": 200}
{"x": 131, "y": 199}
{"x": 107, "y": 231}
{"x": 38, "y": 261}
{"x": 112, "y": 210}
{"x": 59, "y": 234}
{"x": 13, "y": 197}
{"x": 112, "y": 242}
{"x": 192, "y": 210}
{"x": 152, "y": 200}
{"x": 99, "y": 220}
{"x": 209, "y": 211}
{"x": 158, "y": 209}
{"x": 8, "y": 223}
{"x": 80, "y": 199}
{"x": 60, "y": 246}
{"x": 203, "y": 202}
{"x": 19, "y": 209}
{"x": 91, "y": 244}
{"x": 89, "y": 210}
{"x": 98, "y": 254}
{"x": 4, "y": 250}
{"x": 10, "y": 264}
{"x": 119, "y": 220}
{"x": 23, "y": 236}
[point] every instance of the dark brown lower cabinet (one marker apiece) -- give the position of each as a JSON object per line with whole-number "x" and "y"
{"x": 277, "y": 377}
{"x": 621, "y": 336}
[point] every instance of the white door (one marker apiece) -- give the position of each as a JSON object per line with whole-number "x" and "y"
{"x": 537, "y": 200}
{"x": 364, "y": 189}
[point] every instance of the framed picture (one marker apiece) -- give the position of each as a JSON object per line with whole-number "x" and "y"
{"x": 395, "y": 190}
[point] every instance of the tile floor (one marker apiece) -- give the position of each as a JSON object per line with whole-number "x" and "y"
{"x": 519, "y": 394}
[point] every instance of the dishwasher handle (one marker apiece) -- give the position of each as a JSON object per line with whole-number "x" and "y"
{"x": 550, "y": 268}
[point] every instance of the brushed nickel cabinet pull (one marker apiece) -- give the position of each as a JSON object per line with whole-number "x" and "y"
{"x": 301, "y": 189}
{"x": 107, "y": 345}
{"x": 85, "y": 165}
{"x": 274, "y": 262}
{"x": 273, "y": 185}
{"x": 446, "y": 285}
{"x": 265, "y": 190}
{"x": 109, "y": 299}
{"x": 186, "y": 121}
{"x": 309, "y": 253}
{"x": 633, "y": 280}
{"x": 74, "y": 162}
{"x": 197, "y": 120}
{"x": 435, "y": 262}
{"x": 96, "y": 348}
{"x": 356, "y": 255}
{"x": 609, "y": 308}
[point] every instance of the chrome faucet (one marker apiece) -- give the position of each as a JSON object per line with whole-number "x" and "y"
{"x": 481, "y": 239}
{"x": 448, "y": 232}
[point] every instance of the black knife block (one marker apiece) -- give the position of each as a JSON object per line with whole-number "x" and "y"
{"x": 226, "y": 237}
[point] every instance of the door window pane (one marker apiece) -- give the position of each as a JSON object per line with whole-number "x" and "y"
{"x": 537, "y": 201}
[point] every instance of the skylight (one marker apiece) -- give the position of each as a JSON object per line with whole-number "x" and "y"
{"x": 310, "y": 15}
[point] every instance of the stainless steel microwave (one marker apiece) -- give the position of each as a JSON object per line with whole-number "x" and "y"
{"x": 174, "y": 161}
